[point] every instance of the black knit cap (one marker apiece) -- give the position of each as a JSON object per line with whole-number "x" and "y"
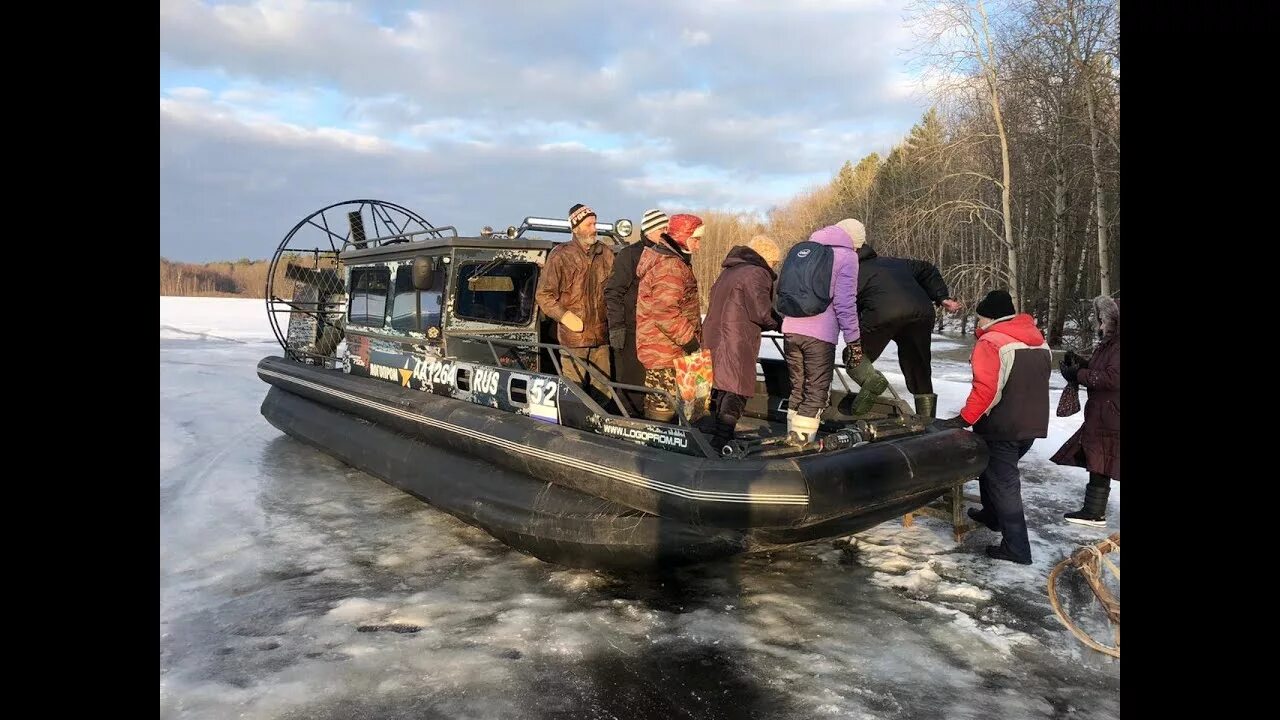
{"x": 578, "y": 213}
{"x": 996, "y": 304}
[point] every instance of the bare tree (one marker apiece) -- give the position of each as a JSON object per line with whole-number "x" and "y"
{"x": 1090, "y": 24}
{"x": 960, "y": 47}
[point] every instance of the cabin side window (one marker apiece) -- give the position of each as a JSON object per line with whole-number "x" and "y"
{"x": 369, "y": 286}
{"x": 496, "y": 292}
{"x": 404, "y": 306}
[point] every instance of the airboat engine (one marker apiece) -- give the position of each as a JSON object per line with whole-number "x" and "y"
{"x": 305, "y": 281}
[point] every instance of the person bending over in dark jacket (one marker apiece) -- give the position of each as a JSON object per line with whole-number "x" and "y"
{"x": 897, "y": 298}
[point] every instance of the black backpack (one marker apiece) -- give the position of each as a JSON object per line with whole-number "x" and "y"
{"x": 804, "y": 283}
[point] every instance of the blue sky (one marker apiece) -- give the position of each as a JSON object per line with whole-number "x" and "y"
{"x": 484, "y": 112}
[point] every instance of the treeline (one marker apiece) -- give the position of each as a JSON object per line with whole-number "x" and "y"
{"x": 1011, "y": 181}
{"x": 241, "y": 278}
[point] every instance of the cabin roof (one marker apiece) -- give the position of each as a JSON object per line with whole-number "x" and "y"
{"x": 372, "y": 254}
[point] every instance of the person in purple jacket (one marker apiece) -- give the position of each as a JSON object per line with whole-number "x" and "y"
{"x": 809, "y": 343}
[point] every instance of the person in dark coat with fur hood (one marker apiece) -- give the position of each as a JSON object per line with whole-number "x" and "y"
{"x": 741, "y": 307}
{"x": 1096, "y": 445}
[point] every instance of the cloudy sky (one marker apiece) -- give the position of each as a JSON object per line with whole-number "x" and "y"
{"x": 486, "y": 111}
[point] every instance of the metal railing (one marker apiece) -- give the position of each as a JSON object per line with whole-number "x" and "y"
{"x": 365, "y": 244}
{"x": 776, "y": 339}
{"x": 600, "y": 380}
{"x": 557, "y": 225}
{"x": 589, "y": 370}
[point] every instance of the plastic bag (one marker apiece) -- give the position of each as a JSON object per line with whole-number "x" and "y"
{"x": 693, "y": 381}
{"x": 1069, "y": 403}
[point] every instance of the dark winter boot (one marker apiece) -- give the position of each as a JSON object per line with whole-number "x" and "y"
{"x": 1000, "y": 552}
{"x": 706, "y": 425}
{"x": 872, "y": 383}
{"x": 1094, "y": 512}
{"x": 721, "y": 435}
{"x": 926, "y": 404}
{"x": 979, "y": 516}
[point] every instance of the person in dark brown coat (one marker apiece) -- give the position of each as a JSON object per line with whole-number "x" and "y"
{"x": 1096, "y": 445}
{"x": 741, "y": 307}
{"x": 571, "y": 292}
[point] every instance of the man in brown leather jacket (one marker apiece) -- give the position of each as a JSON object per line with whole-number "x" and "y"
{"x": 571, "y": 292}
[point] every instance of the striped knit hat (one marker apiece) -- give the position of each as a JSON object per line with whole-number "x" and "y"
{"x": 654, "y": 219}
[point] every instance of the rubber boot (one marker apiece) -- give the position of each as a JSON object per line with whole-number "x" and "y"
{"x": 871, "y": 381}
{"x": 1094, "y": 512}
{"x": 926, "y": 405}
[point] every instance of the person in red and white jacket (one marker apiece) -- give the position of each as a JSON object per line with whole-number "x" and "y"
{"x": 1008, "y": 406}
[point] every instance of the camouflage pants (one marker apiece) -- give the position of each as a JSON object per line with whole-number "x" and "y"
{"x": 657, "y": 407}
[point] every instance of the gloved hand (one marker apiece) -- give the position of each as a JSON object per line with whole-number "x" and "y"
{"x": 1071, "y": 358}
{"x": 1070, "y": 368}
{"x": 955, "y": 423}
{"x": 692, "y": 346}
{"x": 571, "y": 321}
{"x": 1070, "y": 373}
{"x": 852, "y": 353}
{"x": 618, "y": 337}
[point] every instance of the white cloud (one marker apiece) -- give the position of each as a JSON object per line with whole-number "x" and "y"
{"x": 194, "y": 94}
{"x": 563, "y": 146}
{"x": 636, "y": 93}
{"x": 694, "y": 38}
